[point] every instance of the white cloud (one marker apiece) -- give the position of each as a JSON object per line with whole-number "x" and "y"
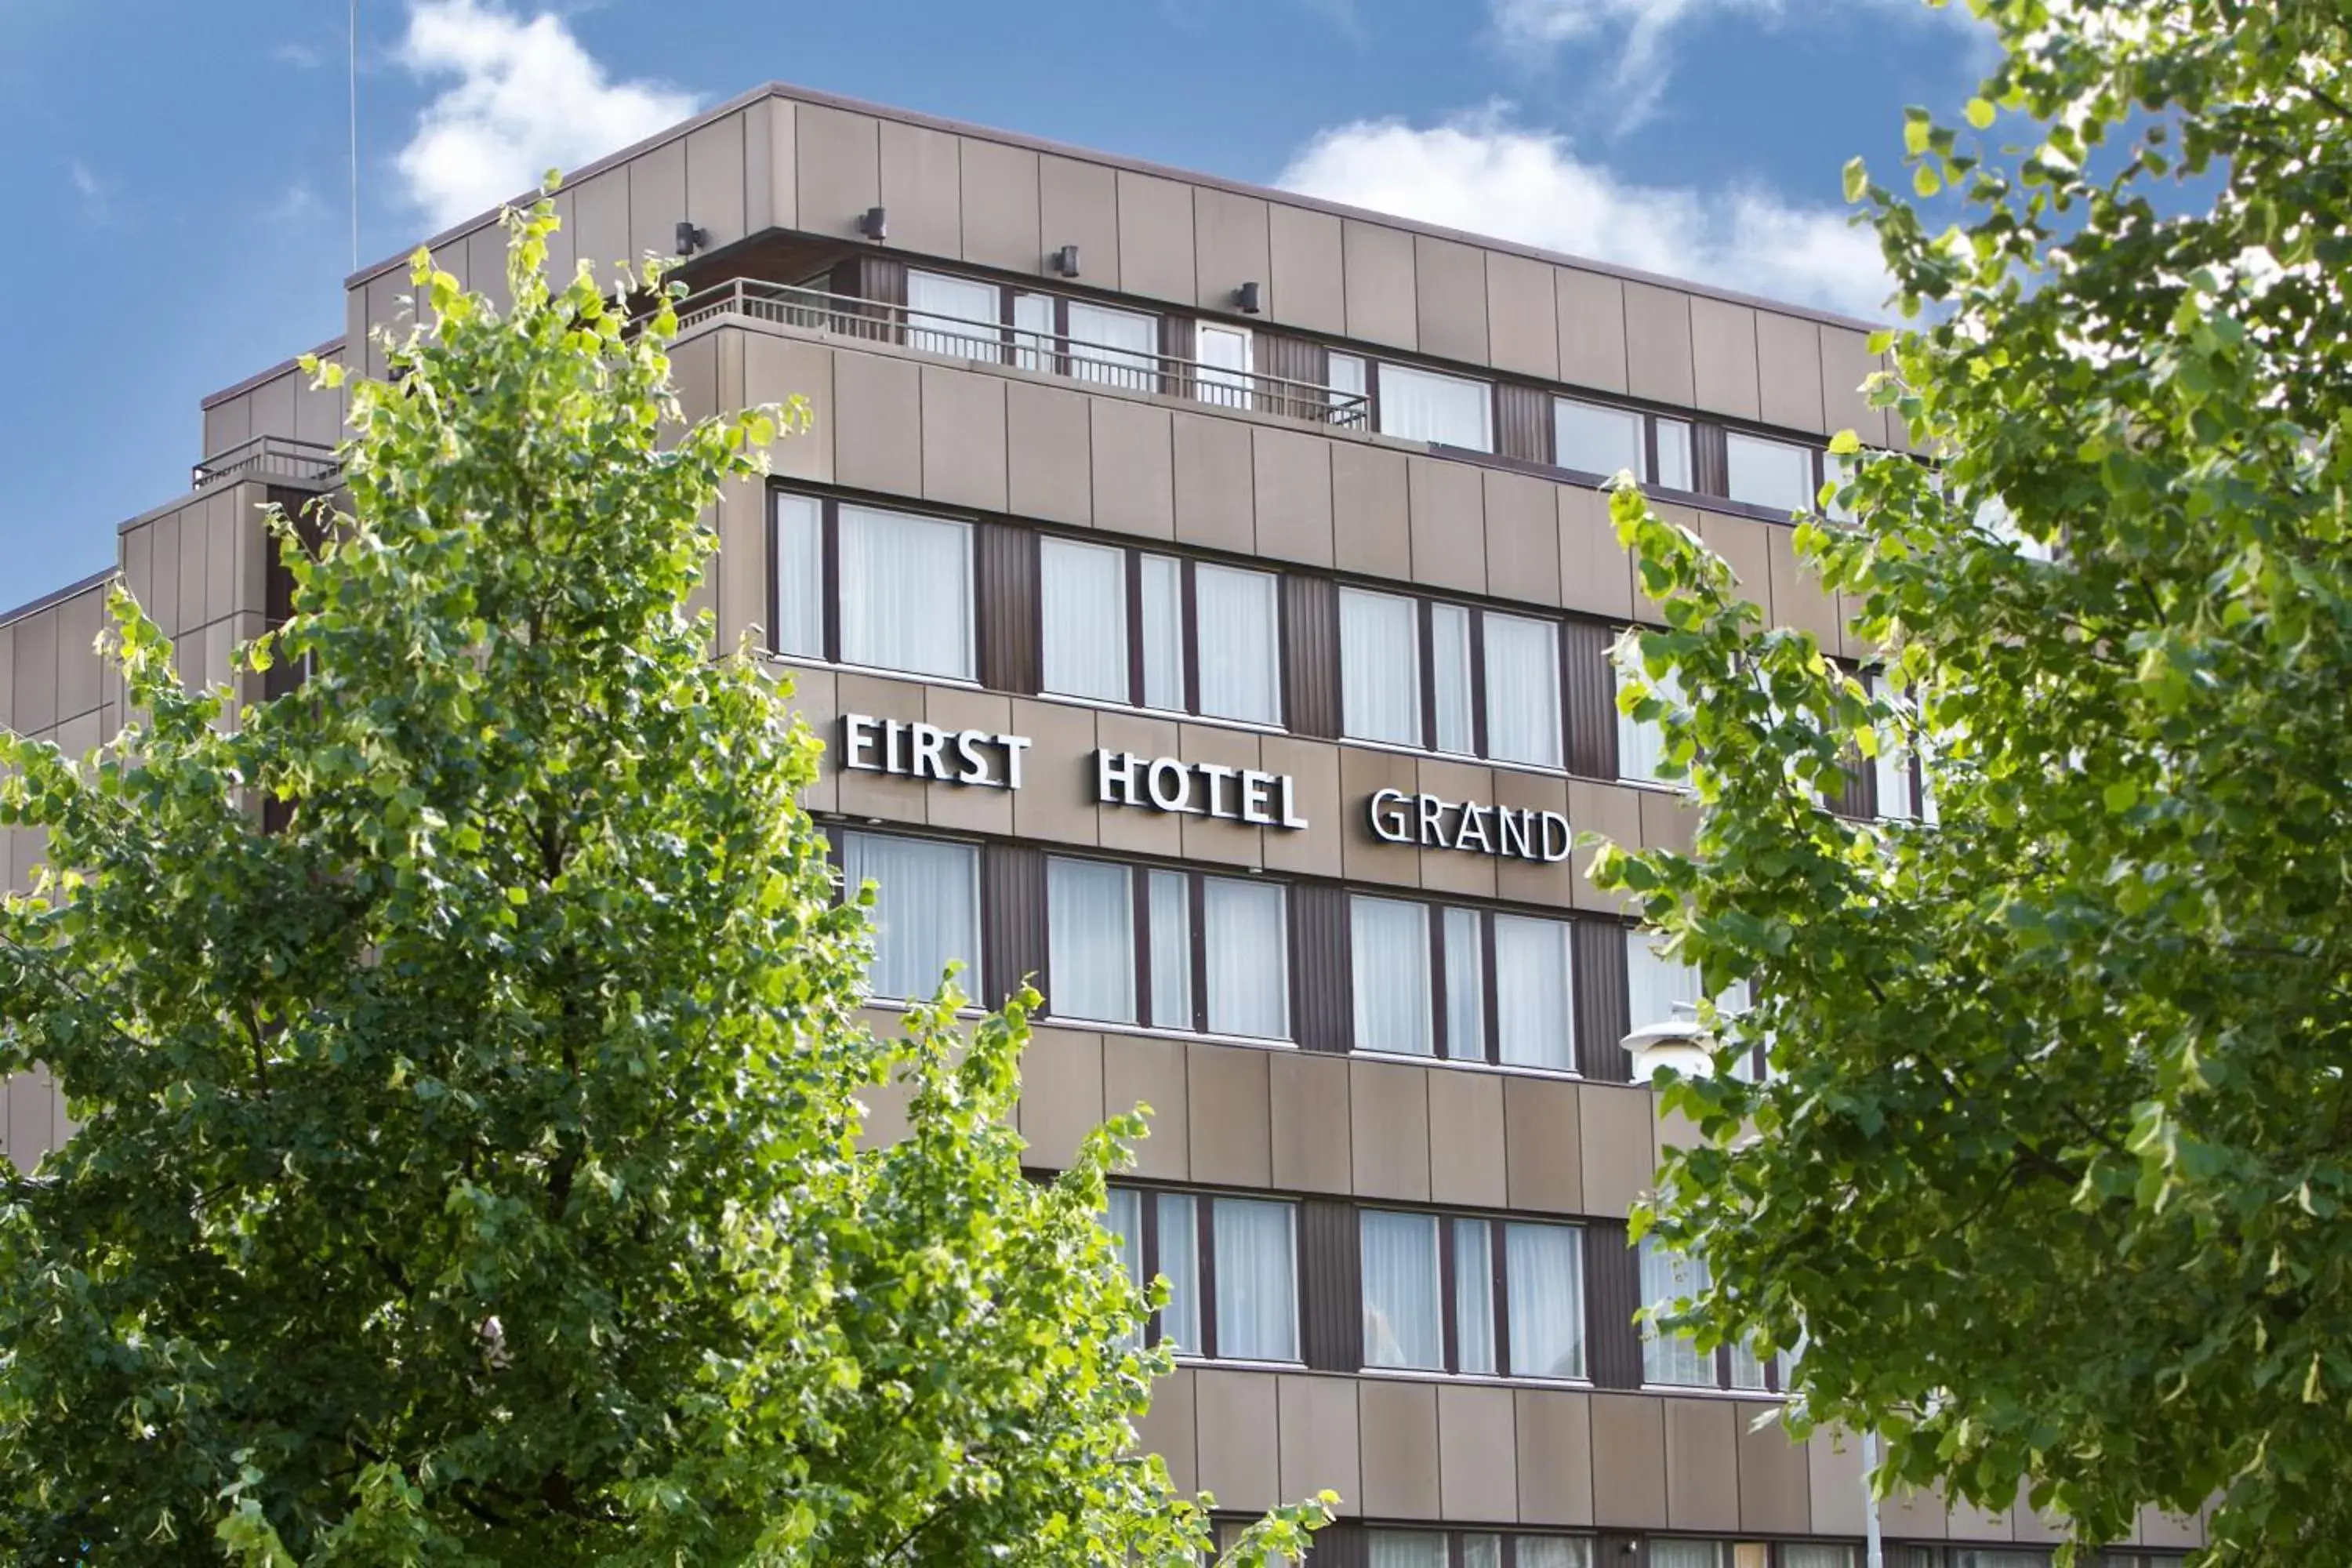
{"x": 1481, "y": 174}
{"x": 526, "y": 98}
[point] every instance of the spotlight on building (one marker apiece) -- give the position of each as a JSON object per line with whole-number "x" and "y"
{"x": 876, "y": 224}
{"x": 690, "y": 238}
{"x": 1250, "y": 299}
{"x": 1065, "y": 262}
{"x": 1678, "y": 1042}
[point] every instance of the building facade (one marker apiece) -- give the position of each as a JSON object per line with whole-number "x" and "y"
{"x": 1205, "y": 594}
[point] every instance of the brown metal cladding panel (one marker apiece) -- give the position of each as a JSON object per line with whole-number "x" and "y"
{"x": 1860, "y": 800}
{"x": 1013, "y": 918}
{"x": 1628, "y": 1464}
{"x": 1711, "y": 460}
{"x": 1342, "y": 1545}
{"x": 1288, "y": 359}
{"x": 1523, "y": 422}
{"x": 1310, "y": 669}
{"x": 1613, "y": 1294}
{"x": 1775, "y": 1480}
{"x": 1006, "y": 560}
{"x": 1330, "y": 1286}
{"x": 1320, "y": 961}
{"x": 882, "y": 278}
{"x": 1589, "y": 688}
{"x": 1603, "y": 1009}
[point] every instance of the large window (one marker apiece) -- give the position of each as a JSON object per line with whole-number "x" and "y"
{"x": 1660, "y": 990}
{"x": 1175, "y": 950}
{"x": 1896, "y": 769}
{"x": 1473, "y": 1548}
{"x": 1424, "y": 405}
{"x": 1449, "y": 1293}
{"x": 889, "y": 590}
{"x": 1467, "y": 985}
{"x": 1774, "y": 474}
{"x": 958, "y": 316}
{"x": 1670, "y": 1552}
{"x": 1126, "y": 626}
{"x": 1672, "y": 1360}
{"x": 926, "y": 909}
{"x": 1448, "y": 678}
{"x": 1232, "y": 1267}
{"x": 1642, "y": 743}
{"x": 1603, "y": 439}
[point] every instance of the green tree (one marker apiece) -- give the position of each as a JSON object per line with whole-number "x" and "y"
{"x": 469, "y": 1169}
{"x": 2051, "y": 1178}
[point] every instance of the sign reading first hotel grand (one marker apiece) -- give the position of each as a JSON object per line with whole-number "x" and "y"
{"x": 1171, "y": 784}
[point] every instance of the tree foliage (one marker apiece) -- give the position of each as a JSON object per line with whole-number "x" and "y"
{"x": 2051, "y": 1179}
{"x": 469, "y": 1168}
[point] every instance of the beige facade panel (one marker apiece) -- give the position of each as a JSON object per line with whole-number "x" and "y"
{"x": 1445, "y": 506}
{"x": 1362, "y": 857}
{"x": 1613, "y": 811}
{"x": 1381, "y": 305}
{"x": 319, "y": 410}
{"x": 694, "y": 372}
{"x": 922, "y": 188}
{"x": 1522, "y": 543}
{"x": 1305, "y": 260}
{"x": 1596, "y": 575}
{"x": 776, "y": 370}
{"x": 1314, "y": 770}
{"x": 1658, "y": 364}
{"x": 815, "y": 698}
{"x": 1140, "y": 1071}
{"x": 839, "y": 157}
{"x": 1372, "y": 520}
{"x": 1398, "y": 1438}
{"x": 1592, "y": 310}
{"x": 1309, "y": 1100}
{"x": 783, "y": 183}
{"x": 33, "y": 707}
{"x": 1171, "y": 1428}
{"x": 1319, "y": 1440}
{"x": 1723, "y": 358}
{"x": 1836, "y": 1495}
{"x": 1744, "y": 544}
{"x": 32, "y": 1113}
{"x": 600, "y": 229}
{"x": 1138, "y": 832}
{"x": 877, "y": 423}
{"x": 963, "y": 438}
{"x": 1230, "y": 248}
{"x": 1468, "y": 875}
{"x": 1788, "y": 372}
{"x": 1216, "y": 477}
{"x": 1629, "y": 1461}
{"x": 1525, "y": 881}
{"x": 1077, "y": 204}
{"x": 1061, "y": 1093}
{"x": 1155, "y": 237}
{"x": 1389, "y": 1112}
{"x": 1554, "y": 1430}
{"x": 1702, "y": 1464}
{"x": 1239, "y": 1435}
{"x": 1522, "y": 316}
{"x": 1616, "y": 1124}
{"x": 1056, "y": 804}
{"x": 1543, "y": 1145}
{"x": 2157, "y": 1528}
{"x": 1450, "y": 296}
{"x": 657, "y": 199}
{"x": 1211, "y": 838}
{"x": 79, "y": 670}
{"x": 717, "y": 199}
{"x": 228, "y": 423}
{"x": 1669, "y": 821}
{"x": 1914, "y": 1516}
{"x": 1477, "y": 1454}
{"x": 999, "y": 200}
{"x": 1049, "y": 463}
{"x": 1798, "y": 597}
{"x": 1846, "y": 364}
{"x": 740, "y": 566}
{"x": 886, "y": 796}
{"x": 1970, "y": 1522}
{"x": 562, "y": 246}
{"x": 1231, "y": 1113}
{"x": 1467, "y": 1154}
{"x": 1291, "y": 476}
{"x": 273, "y": 401}
{"x": 1134, "y": 478}
{"x": 1775, "y": 1477}
{"x": 959, "y": 807}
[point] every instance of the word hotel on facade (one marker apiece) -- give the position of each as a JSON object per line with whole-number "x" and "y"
{"x": 1205, "y": 595}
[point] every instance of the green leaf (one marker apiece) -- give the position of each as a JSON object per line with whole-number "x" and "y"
{"x": 1979, "y": 113}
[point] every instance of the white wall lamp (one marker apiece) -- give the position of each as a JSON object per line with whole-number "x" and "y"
{"x": 1679, "y": 1042}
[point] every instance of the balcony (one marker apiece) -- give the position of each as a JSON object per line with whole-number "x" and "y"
{"x": 275, "y": 460}
{"x": 998, "y": 342}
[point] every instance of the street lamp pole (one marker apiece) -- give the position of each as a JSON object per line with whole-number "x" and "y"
{"x": 1873, "y": 1552}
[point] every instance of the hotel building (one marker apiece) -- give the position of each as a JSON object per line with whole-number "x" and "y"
{"x": 1204, "y": 595}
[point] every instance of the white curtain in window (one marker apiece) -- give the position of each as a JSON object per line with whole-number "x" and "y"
{"x": 1120, "y": 347}
{"x": 1257, "y": 1284}
{"x": 1686, "y": 1553}
{"x": 1379, "y": 668}
{"x": 1674, "y": 454}
{"x": 1124, "y": 1219}
{"x": 1405, "y": 1324}
{"x": 1170, "y": 894}
{"x": 1482, "y": 1551}
{"x": 1892, "y": 766}
{"x": 1465, "y": 987}
{"x": 926, "y": 909}
{"x": 1240, "y": 668}
{"x": 906, "y": 592}
{"x": 1474, "y": 1297}
{"x": 800, "y": 576}
{"x": 1223, "y": 355}
{"x": 1082, "y": 589}
{"x": 1774, "y": 474}
{"x": 1248, "y": 958}
{"x": 952, "y": 316}
{"x": 1668, "y": 1277}
{"x": 1346, "y": 374}
{"x": 1522, "y": 690}
{"x": 1405, "y": 1548}
{"x": 1180, "y": 1265}
{"x": 1164, "y": 632}
{"x": 1747, "y": 1367}
{"x": 1642, "y": 743}
{"x": 1816, "y": 1554}
{"x": 1554, "y": 1552}
{"x": 1543, "y": 1272}
{"x": 1595, "y": 438}
{"x": 1449, "y": 674}
{"x": 1656, "y": 984}
{"x": 1970, "y": 1557}
{"x": 1390, "y": 942}
{"x": 1422, "y": 406}
{"x": 1090, "y": 940}
{"x": 1033, "y": 332}
{"x": 1532, "y": 1022}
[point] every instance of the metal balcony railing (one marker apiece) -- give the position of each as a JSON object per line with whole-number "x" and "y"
{"x": 997, "y": 342}
{"x": 267, "y": 457}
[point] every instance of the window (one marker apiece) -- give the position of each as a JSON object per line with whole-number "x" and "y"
{"x": 926, "y": 909}
{"x": 1896, "y": 769}
{"x": 1449, "y": 677}
{"x": 1774, "y": 474}
{"x": 1672, "y": 439}
{"x": 1473, "y": 1548}
{"x": 1123, "y": 626}
{"x": 1428, "y": 977}
{"x": 1642, "y": 743}
{"x": 1243, "y": 1252}
{"x": 1443, "y": 1292}
{"x": 1236, "y": 980}
{"x": 1594, "y": 438}
{"x": 952, "y": 315}
{"x": 903, "y": 595}
{"x": 1448, "y": 410}
{"x": 1223, "y": 355}
{"x": 1661, "y": 989}
{"x": 1672, "y": 1360}
{"x": 1347, "y": 379}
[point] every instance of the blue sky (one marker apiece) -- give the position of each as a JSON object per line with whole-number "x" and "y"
{"x": 179, "y": 170}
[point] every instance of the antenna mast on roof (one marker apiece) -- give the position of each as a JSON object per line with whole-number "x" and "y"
{"x": 353, "y": 34}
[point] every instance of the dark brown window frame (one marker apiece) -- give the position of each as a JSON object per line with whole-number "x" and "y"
{"x": 1196, "y": 881}
{"x": 1205, "y": 1262}
{"x": 1498, "y": 1286}
{"x": 1188, "y": 629}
